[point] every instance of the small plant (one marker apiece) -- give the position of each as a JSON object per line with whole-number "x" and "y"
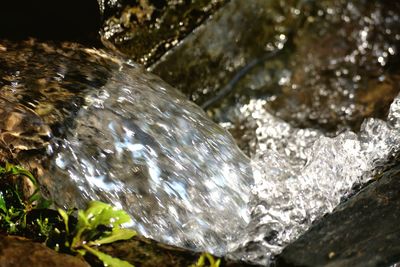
{"x": 99, "y": 224}
{"x": 201, "y": 262}
{"x": 14, "y": 206}
{"x": 29, "y": 216}
{"x": 45, "y": 227}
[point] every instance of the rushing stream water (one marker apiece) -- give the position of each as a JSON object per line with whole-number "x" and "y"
{"x": 117, "y": 133}
{"x": 137, "y": 143}
{"x": 300, "y": 175}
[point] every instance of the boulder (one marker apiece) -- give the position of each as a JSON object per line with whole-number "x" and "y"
{"x": 17, "y": 251}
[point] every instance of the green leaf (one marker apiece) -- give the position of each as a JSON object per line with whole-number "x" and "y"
{"x": 116, "y": 235}
{"x": 213, "y": 262}
{"x": 99, "y": 213}
{"x": 43, "y": 203}
{"x": 3, "y": 206}
{"x": 107, "y": 259}
{"x": 17, "y": 170}
{"x": 201, "y": 262}
{"x": 83, "y": 221}
{"x": 82, "y": 252}
{"x": 82, "y": 226}
{"x": 65, "y": 217}
{"x": 35, "y": 196}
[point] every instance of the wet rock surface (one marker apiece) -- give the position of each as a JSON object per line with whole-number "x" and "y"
{"x": 317, "y": 64}
{"x": 238, "y": 33}
{"x": 42, "y": 86}
{"x": 343, "y": 68}
{"x": 17, "y": 252}
{"x": 145, "y": 29}
{"x": 364, "y": 231}
{"x": 149, "y": 253}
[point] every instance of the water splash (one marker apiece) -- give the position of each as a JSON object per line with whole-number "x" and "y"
{"x": 135, "y": 142}
{"x": 304, "y": 175}
{"x": 120, "y": 134}
{"x": 139, "y": 145}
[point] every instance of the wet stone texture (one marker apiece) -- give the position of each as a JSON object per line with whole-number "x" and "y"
{"x": 344, "y": 66}
{"x": 364, "y": 231}
{"x": 17, "y": 252}
{"x": 238, "y": 33}
{"x": 319, "y": 64}
{"x": 148, "y": 253}
{"x": 145, "y": 29}
{"x": 38, "y": 105}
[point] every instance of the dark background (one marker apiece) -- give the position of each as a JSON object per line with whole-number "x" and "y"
{"x": 64, "y": 20}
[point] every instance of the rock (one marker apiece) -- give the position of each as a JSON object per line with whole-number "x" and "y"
{"x": 36, "y": 106}
{"x": 149, "y": 253}
{"x": 238, "y": 33}
{"x": 144, "y": 30}
{"x": 344, "y": 68}
{"x": 364, "y": 231}
{"x": 18, "y": 251}
{"x": 331, "y": 60}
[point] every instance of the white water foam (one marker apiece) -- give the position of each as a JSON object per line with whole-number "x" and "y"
{"x": 300, "y": 175}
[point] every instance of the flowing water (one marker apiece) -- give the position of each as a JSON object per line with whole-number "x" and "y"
{"x": 300, "y": 175}
{"x": 137, "y": 143}
{"x": 117, "y": 133}
{"x": 140, "y": 145}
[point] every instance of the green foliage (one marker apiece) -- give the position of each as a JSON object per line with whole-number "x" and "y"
{"x": 65, "y": 217}
{"x": 201, "y": 262}
{"x": 99, "y": 224}
{"x": 29, "y": 216}
{"x": 14, "y": 206}
{"x": 107, "y": 259}
{"x": 45, "y": 227}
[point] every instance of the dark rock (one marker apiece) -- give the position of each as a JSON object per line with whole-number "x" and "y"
{"x": 17, "y": 252}
{"x": 318, "y": 64}
{"x": 238, "y": 33}
{"x": 145, "y": 29}
{"x": 364, "y": 231}
{"x": 149, "y": 253}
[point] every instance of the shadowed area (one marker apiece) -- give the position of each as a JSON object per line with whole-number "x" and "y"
{"x": 53, "y": 20}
